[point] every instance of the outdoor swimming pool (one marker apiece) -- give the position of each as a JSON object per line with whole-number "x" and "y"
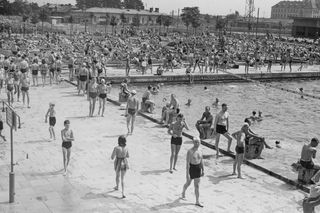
{"x": 286, "y": 117}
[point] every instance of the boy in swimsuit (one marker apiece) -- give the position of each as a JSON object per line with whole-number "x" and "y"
{"x": 67, "y": 139}
{"x": 103, "y": 90}
{"x": 194, "y": 169}
{"x": 239, "y": 136}
{"x": 131, "y": 111}
{"x": 25, "y": 84}
{"x": 52, "y": 120}
{"x": 175, "y": 130}
{"x": 10, "y": 86}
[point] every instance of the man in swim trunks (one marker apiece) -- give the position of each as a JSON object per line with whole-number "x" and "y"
{"x": 221, "y": 125}
{"x": 83, "y": 77}
{"x": 52, "y": 120}
{"x": 250, "y": 135}
{"x": 204, "y": 123}
{"x": 131, "y": 110}
{"x": 239, "y": 136}
{"x": 308, "y": 152}
{"x": 103, "y": 89}
{"x": 67, "y": 139}
{"x": 195, "y": 169}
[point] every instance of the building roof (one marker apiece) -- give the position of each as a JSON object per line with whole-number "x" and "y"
{"x": 119, "y": 11}
{"x": 306, "y": 4}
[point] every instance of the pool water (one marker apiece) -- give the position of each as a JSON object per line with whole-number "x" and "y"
{"x": 288, "y": 118}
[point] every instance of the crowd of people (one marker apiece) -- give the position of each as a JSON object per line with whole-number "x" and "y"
{"x": 86, "y": 57}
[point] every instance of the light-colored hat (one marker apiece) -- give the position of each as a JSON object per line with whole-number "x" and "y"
{"x": 133, "y": 92}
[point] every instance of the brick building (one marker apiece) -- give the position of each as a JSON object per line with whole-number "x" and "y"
{"x": 291, "y": 9}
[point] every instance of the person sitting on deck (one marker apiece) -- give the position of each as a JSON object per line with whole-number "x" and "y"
{"x": 146, "y": 102}
{"x": 124, "y": 91}
{"x": 171, "y": 109}
{"x": 251, "y": 135}
{"x": 204, "y": 123}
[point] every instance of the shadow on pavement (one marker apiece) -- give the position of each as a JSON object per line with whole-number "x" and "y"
{"x": 91, "y": 195}
{"x": 218, "y": 179}
{"x": 112, "y": 136}
{"x": 174, "y": 204}
{"x": 41, "y": 174}
{"x": 154, "y": 172}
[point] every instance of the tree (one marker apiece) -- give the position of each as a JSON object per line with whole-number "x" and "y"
{"x": 133, "y": 4}
{"x": 34, "y": 19}
{"x": 160, "y": 21}
{"x": 168, "y": 20}
{"x": 43, "y": 16}
{"x": 70, "y": 20}
{"x": 136, "y": 20}
{"x": 107, "y": 17}
{"x": 207, "y": 18}
{"x": 191, "y": 16}
{"x": 5, "y": 7}
{"x": 123, "y": 19}
{"x": 113, "y": 22}
{"x": 82, "y": 4}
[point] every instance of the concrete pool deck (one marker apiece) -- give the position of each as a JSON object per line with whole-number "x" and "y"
{"x": 41, "y": 187}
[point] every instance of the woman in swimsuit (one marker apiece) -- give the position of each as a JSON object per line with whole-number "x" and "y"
{"x": 52, "y": 120}
{"x": 67, "y": 138}
{"x": 9, "y": 82}
{"x": 16, "y": 83}
{"x": 175, "y": 130}
{"x": 120, "y": 154}
{"x": 103, "y": 89}
{"x": 93, "y": 93}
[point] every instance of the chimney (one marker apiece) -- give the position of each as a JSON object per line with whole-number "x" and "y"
{"x": 156, "y": 10}
{"x": 151, "y": 9}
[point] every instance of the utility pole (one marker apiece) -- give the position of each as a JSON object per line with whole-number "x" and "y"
{"x": 257, "y": 23}
{"x": 178, "y": 18}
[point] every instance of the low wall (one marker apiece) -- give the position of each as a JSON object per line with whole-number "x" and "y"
{"x": 217, "y": 78}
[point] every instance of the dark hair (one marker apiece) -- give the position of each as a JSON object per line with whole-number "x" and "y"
{"x": 66, "y": 122}
{"x": 315, "y": 140}
{"x": 224, "y": 104}
{"x": 247, "y": 120}
{"x": 179, "y": 115}
{"x": 149, "y": 87}
{"x": 122, "y": 141}
{"x": 254, "y": 112}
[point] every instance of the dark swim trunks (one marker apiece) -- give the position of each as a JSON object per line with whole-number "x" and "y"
{"x": 176, "y": 141}
{"x": 66, "y": 144}
{"x": 103, "y": 96}
{"x": 221, "y": 129}
{"x": 93, "y": 94}
{"x": 52, "y": 121}
{"x": 131, "y": 111}
{"x": 25, "y": 89}
{"x": 34, "y": 72}
{"x": 195, "y": 171}
{"x": 23, "y": 70}
{"x": 83, "y": 78}
{"x": 1, "y": 125}
{"x": 307, "y": 164}
{"x": 9, "y": 87}
{"x": 58, "y": 69}
{"x": 70, "y": 66}
{"x": 239, "y": 149}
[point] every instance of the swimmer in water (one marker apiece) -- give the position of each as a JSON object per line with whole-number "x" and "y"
{"x": 301, "y": 92}
{"x": 259, "y": 116}
{"x": 189, "y": 102}
{"x": 216, "y": 102}
{"x": 206, "y": 89}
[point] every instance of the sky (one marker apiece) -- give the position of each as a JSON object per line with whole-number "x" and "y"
{"x": 212, "y": 7}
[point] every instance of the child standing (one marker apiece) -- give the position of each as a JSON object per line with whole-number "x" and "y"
{"x": 239, "y": 152}
{"x": 52, "y": 120}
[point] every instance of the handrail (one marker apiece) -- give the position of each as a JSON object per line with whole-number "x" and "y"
{"x": 4, "y": 103}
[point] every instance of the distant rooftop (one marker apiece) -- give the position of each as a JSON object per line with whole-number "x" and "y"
{"x": 307, "y": 4}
